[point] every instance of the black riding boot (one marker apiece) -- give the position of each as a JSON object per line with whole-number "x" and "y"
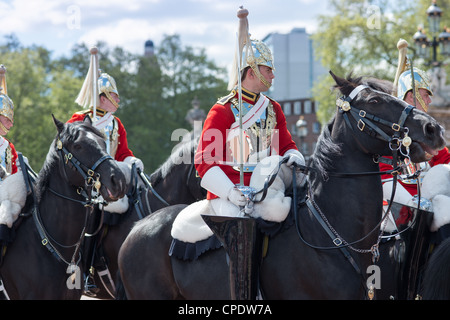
{"x": 90, "y": 288}
{"x": 243, "y": 242}
{"x": 417, "y": 244}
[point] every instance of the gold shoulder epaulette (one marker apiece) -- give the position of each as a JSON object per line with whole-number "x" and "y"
{"x": 226, "y": 98}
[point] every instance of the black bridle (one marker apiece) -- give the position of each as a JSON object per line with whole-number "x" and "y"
{"x": 366, "y": 122}
{"x": 91, "y": 182}
{"x": 91, "y": 178}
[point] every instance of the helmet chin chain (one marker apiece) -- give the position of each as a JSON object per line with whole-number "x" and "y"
{"x": 260, "y": 76}
{"x": 2, "y": 127}
{"x": 110, "y": 98}
{"x": 422, "y": 103}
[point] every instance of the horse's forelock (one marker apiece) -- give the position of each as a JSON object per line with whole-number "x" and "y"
{"x": 73, "y": 128}
{"x": 370, "y": 81}
{"x": 351, "y": 82}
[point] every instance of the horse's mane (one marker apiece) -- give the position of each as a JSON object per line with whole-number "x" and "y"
{"x": 51, "y": 161}
{"x": 321, "y": 159}
{"x": 178, "y": 155}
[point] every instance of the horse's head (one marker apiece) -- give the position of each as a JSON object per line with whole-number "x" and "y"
{"x": 382, "y": 123}
{"x": 84, "y": 162}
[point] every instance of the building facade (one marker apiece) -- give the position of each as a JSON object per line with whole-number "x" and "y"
{"x": 296, "y": 69}
{"x": 305, "y": 109}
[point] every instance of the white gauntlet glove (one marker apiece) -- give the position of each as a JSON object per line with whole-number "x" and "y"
{"x": 401, "y": 196}
{"x": 217, "y": 182}
{"x": 294, "y": 156}
{"x": 139, "y": 164}
{"x": 236, "y": 197}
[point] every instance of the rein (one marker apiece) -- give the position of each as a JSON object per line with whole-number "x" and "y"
{"x": 144, "y": 179}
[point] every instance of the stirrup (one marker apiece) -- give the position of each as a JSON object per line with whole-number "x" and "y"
{"x": 90, "y": 288}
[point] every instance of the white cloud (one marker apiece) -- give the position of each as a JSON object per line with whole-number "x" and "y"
{"x": 210, "y": 24}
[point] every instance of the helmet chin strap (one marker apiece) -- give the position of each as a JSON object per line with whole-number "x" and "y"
{"x": 2, "y": 127}
{"x": 110, "y": 98}
{"x": 421, "y": 102}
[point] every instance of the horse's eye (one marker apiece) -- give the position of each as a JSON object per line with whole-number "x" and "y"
{"x": 373, "y": 101}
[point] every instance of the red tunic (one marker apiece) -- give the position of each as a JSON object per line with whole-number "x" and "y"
{"x": 218, "y": 121}
{"x": 443, "y": 157}
{"x": 13, "y": 157}
{"x": 122, "y": 149}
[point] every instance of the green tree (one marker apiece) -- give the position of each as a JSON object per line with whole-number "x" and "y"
{"x": 155, "y": 92}
{"x": 30, "y": 79}
{"x": 164, "y": 86}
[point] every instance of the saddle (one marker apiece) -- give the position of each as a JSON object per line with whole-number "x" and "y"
{"x": 191, "y": 235}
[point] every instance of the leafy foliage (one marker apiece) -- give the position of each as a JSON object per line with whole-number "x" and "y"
{"x": 362, "y": 36}
{"x": 155, "y": 92}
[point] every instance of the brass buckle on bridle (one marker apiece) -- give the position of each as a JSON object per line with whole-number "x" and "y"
{"x": 361, "y": 125}
{"x": 67, "y": 157}
{"x": 396, "y": 127}
{"x": 97, "y": 183}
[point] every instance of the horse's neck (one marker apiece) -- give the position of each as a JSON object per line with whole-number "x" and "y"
{"x": 350, "y": 203}
{"x": 173, "y": 188}
{"x": 64, "y": 219}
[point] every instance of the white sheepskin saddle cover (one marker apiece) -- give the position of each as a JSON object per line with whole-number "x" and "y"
{"x": 189, "y": 226}
{"x": 13, "y": 194}
{"x": 436, "y": 187}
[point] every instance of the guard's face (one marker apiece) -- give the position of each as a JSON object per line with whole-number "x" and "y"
{"x": 107, "y": 105}
{"x": 267, "y": 73}
{"x": 5, "y": 125}
{"x": 424, "y": 94}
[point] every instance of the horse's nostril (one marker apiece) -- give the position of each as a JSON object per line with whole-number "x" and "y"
{"x": 117, "y": 182}
{"x": 430, "y": 129}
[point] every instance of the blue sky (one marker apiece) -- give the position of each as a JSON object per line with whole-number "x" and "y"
{"x": 210, "y": 24}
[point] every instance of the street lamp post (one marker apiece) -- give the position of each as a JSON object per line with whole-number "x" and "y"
{"x": 421, "y": 41}
{"x": 302, "y": 132}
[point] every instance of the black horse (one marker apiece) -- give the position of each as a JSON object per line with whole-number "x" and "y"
{"x": 436, "y": 280}
{"x": 146, "y": 195}
{"x": 345, "y": 190}
{"x": 44, "y": 260}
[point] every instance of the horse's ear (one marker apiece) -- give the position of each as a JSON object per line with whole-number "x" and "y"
{"x": 345, "y": 86}
{"x": 59, "y": 125}
{"x": 87, "y": 119}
